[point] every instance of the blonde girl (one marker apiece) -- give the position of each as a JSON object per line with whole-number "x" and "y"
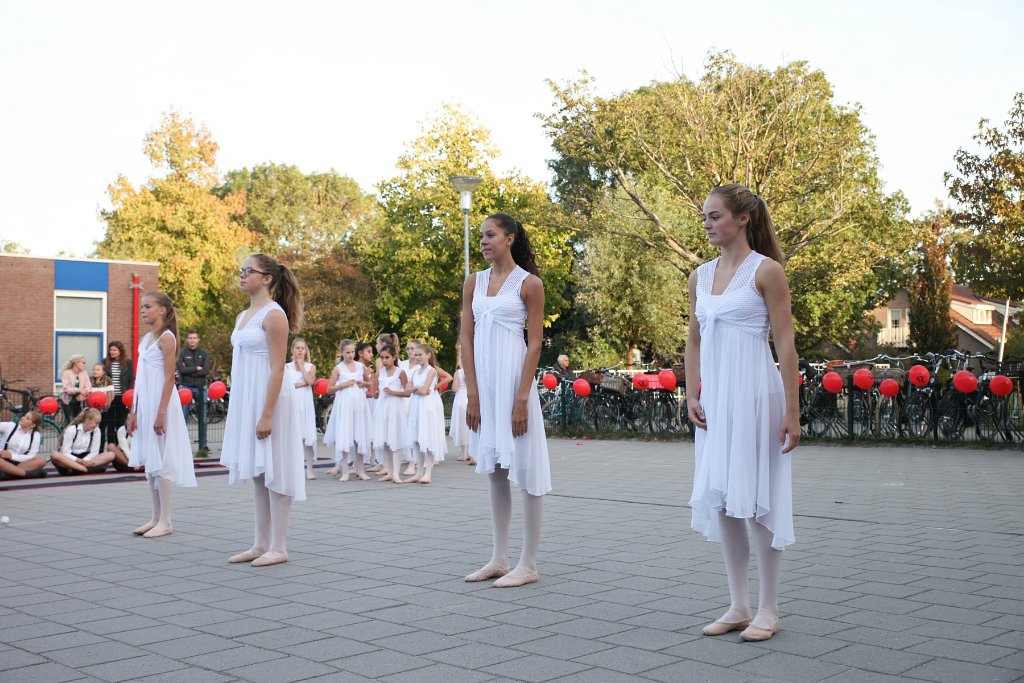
{"x": 301, "y": 374}
{"x": 350, "y": 427}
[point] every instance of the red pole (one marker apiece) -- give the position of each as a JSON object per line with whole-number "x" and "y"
{"x": 135, "y": 287}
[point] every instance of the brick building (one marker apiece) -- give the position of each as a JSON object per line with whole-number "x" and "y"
{"x": 53, "y": 308}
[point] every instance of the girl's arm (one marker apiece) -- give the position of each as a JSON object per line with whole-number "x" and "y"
{"x": 276, "y": 327}
{"x": 404, "y": 379}
{"x": 533, "y": 296}
{"x": 455, "y": 382}
{"x": 692, "y": 358}
{"x": 371, "y": 377}
{"x": 332, "y": 384}
{"x": 442, "y": 375}
{"x": 67, "y": 382}
{"x": 309, "y": 375}
{"x": 94, "y": 449}
{"x": 427, "y": 381}
{"x": 468, "y": 361}
{"x": 67, "y": 444}
{"x": 34, "y": 443}
{"x": 130, "y": 423}
{"x": 84, "y": 384}
{"x": 167, "y": 345}
{"x": 771, "y": 280}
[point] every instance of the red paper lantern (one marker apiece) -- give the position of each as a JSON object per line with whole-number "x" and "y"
{"x": 48, "y": 405}
{"x": 581, "y": 387}
{"x": 127, "y": 398}
{"x": 667, "y": 379}
{"x": 185, "y": 396}
{"x": 217, "y": 390}
{"x": 919, "y": 376}
{"x": 889, "y": 387}
{"x": 97, "y": 400}
{"x": 550, "y": 381}
{"x": 640, "y": 381}
{"x": 1001, "y": 385}
{"x": 832, "y": 382}
{"x": 863, "y": 379}
{"x": 320, "y": 387}
{"x": 965, "y": 381}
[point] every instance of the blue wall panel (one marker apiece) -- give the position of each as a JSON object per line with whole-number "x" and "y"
{"x": 89, "y": 276}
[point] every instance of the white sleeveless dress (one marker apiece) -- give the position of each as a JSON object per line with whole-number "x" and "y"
{"x": 499, "y": 353}
{"x": 304, "y": 402}
{"x": 426, "y": 416}
{"x": 740, "y": 467}
{"x": 390, "y": 417}
{"x": 167, "y": 455}
{"x": 458, "y": 430}
{"x": 350, "y": 427}
{"x": 279, "y": 457}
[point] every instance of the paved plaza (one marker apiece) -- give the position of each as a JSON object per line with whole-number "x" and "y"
{"x": 907, "y": 567}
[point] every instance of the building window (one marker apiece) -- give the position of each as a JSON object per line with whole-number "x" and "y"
{"x": 80, "y": 327}
{"x": 896, "y": 318}
{"x": 983, "y": 316}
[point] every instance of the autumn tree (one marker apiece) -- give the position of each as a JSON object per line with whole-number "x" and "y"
{"x": 931, "y": 289}
{"x": 177, "y": 220}
{"x": 988, "y": 224}
{"x": 652, "y": 155}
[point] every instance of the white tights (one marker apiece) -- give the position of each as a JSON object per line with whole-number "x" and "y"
{"x": 501, "y": 520}
{"x": 736, "y": 551}
{"x": 272, "y": 512}
{"x": 161, "y": 491}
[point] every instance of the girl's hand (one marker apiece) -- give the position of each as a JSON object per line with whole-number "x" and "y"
{"x": 473, "y": 412}
{"x": 696, "y": 413}
{"x": 520, "y": 417}
{"x": 263, "y": 428}
{"x": 789, "y": 433}
{"x": 159, "y": 423}
{"x": 129, "y": 425}
{"x": 387, "y": 391}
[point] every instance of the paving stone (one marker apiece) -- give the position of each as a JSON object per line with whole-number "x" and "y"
{"x": 284, "y": 670}
{"x": 690, "y": 670}
{"x": 535, "y": 668}
{"x": 223, "y": 660}
{"x": 787, "y": 667}
{"x": 647, "y": 638}
{"x": 717, "y": 651}
{"x": 952, "y": 671}
{"x": 628, "y": 660}
{"x": 47, "y": 672}
{"x": 874, "y": 658}
{"x": 152, "y": 634}
{"x": 474, "y": 655}
{"x": 328, "y": 649}
{"x": 373, "y": 665}
{"x": 86, "y": 655}
{"x": 963, "y": 651}
{"x": 136, "y": 667}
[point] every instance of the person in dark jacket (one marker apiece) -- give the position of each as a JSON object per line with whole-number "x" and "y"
{"x": 118, "y": 365}
{"x": 193, "y": 367}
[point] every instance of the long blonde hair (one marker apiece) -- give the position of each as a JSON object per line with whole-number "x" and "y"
{"x": 86, "y": 414}
{"x": 761, "y": 234}
{"x": 71, "y": 362}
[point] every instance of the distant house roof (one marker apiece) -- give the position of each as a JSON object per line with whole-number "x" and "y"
{"x": 967, "y": 295}
{"x": 988, "y": 334}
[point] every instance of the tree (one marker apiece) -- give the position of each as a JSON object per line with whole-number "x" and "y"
{"x": 930, "y": 292}
{"x": 988, "y": 225}
{"x": 11, "y": 247}
{"x": 414, "y": 257}
{"x": 665, "y": 146}
{"x": 178, "y": 221}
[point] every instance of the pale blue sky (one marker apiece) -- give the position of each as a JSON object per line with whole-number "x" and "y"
{"x": 344, "y": 85}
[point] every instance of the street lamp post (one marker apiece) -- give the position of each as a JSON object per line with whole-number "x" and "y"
{"x": 465, "y": 184}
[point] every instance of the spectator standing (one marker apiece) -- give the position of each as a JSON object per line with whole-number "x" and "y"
{"x": 193, "y": 367}
{"x": 75, "y": 387}
{"x": 562, "y": 368}
{"x": 122, "y": 376}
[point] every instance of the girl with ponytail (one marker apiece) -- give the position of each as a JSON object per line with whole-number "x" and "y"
{"x": 263, "y": 437}
{"x": 746, "y": 411}
{"x": 502, "y": 405}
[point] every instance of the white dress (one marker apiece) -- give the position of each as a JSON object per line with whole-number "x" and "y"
{"x": 458, "y": 430}
{"x": 350, "y": 427}
{"x": 390, "y": 418}
{"x": 740, "y": 467}
{"x": 167, "y": 455}
{"x": 279, "y": 457}
{"x": 304, "y": 402}
{"x": 499, "y": 353}
{"x": 426, "y": 416}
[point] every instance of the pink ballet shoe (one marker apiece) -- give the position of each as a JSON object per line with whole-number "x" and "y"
{"x": 247, "y": 556}
{"x": 270, "y": 558}
{"x": 157, "y": 532}
{"x": 141, "y": 531}
{"x": 720, "y": 628}
{"x": 517, "y": 578}
{"x": 486, "y": 573}
{"x": 755, "y": 634}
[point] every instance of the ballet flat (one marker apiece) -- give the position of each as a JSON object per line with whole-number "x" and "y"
{"x": 153, "y": 533}
{"x": 720, "y": 628}
{"x": 486, "y": 574}
{"x": 264, "y": 561}
{"x": 247, "y": 556}
{"x": 756, "y": 633}
{"x": 509, "y": 581}
{"x": 142, "y": 530}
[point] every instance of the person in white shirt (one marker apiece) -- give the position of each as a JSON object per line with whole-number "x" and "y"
{"x": 122, "y": 451}
{"x": 19, "y": 447}
{"x": 80, "y": 446}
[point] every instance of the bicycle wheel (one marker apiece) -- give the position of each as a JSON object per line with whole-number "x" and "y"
{"x": 683, "y": 418}
{"x": 664, "y": 414}
{"x": 216, "y": 411}
{"x": 888, "y": 419}
{"x": 917, "y": 414}
{"x": 863, "y": 414}
{"x": 1015, "y": 415}
{"x": 950, "y": 419}
{"x": 50, "y": 432}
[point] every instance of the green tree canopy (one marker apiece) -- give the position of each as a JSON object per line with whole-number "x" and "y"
{"x": 931, "y": 289}
{"x": 665, "y": 146}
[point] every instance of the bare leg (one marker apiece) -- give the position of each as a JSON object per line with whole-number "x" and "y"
{"x": 309, "y": 462}
{"x": 261, "y": 501}
{"x": 165, "y": 490}
{"x": 526, "y": 571}
{"x": 428, "y": 464}
{"x": 359, "y": 460}
{"x": 280, "y": 512}
{"x": 501, "y": 520}
{"x": 385, "y": 468}
{"x": 68, "y": 462}
{"x": 396, "y": 466}
{"x": 344, "y": 467}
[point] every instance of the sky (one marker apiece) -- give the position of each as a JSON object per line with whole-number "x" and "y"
{"x": 345, "y": 85}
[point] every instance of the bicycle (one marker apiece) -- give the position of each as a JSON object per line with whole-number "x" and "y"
{"x": 51, "y": 427}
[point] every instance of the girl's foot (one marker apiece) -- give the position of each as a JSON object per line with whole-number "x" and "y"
{"x": 247, "y": 556}
{"x": 733, "y": 620}
{"x": 517, "y": 577}
{"x": 334, "y": 471}
{"x": 272, "y": 557}
{"x": 375, "y": 468}
{"x": 412, "y": 480}
{"x": 409, "y": 471}
{"x": 471, "y": 462}
{"x": 763, "y": 627}
{"x": 488, "y": 571}
{"x": 425, "y": 479}
{"x": 363, "y": 476}
{"x": 386, "y": 477}
{"x": 158, "y": 531}
{"x": 310, "y": 475}
{"x": 462, "y": 457}
{"x": 343, "y": 477}
{"x": 400, "y": 481}
{"x": 142, "y": 530}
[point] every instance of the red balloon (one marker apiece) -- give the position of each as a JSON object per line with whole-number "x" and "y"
{"x": 1001, "y": 385}
{"x": 863, "y": 379}
{"x": 889, "y": 387}
{"x": 443, "y": 387}
{"x": 640, "y": 381}
{"x": 185, "y": 396}
{"x": 801, "y": 378}
{"x": 667, "y": 379}
{"x": 832, "y": 382}
{"x": 965, "y": 381}
{"x": 127, "y": 398}
{"x": 320, "y": 387}
{"x": 217, "y": 390}
{"x": 48, "y": 405}
{"x": 97, "y": 400}
{"x": 919, "y": 376}
{"x": 581, "y": 387}
{"x": 550, "y": 381}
